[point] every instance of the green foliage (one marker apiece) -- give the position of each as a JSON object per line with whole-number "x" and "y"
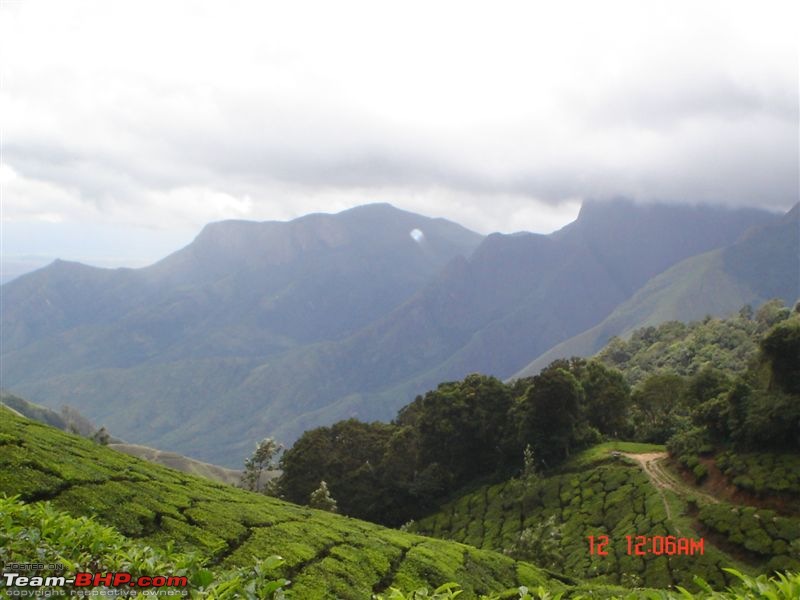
{"x": 758, "y": 408}
{"x": 726, "y": 345}
{"x": 781, "y": 586}
{"x": 228, "y": 528}
{"x": 758, "y": 531}
{"x": 40, "y": 534}
{"x": 700, "y": 472}
{"x": 604, "y": 496}
{"x": 539, "y": 544}
{"x": 658, "y": 407}
{"x": 445, "y": 591}
{"x": 602, "y": 453}
{"x": 607, "y": 398}
{"x": 458, "y": 433}
{"x": 34, "y": 411}
{"x": 459, "y": 425}
{"x": 548, "y": 415}
{"x": 690, "y": 442}
{"x": 528, "y": 464}
{"x": 362, "y": 464}
{"x": 321, "y": 498}
{"x": 393, "y": 472}
{"x": 762, "y": 472}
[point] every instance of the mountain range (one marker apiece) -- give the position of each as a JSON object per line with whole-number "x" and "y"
{"x": 763, "y": 264}
{"x": 271, "y": 328}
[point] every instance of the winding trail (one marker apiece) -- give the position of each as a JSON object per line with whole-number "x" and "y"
{"x": 652, "y": 464}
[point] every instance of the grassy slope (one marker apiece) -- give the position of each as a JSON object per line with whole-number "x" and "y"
{"x": 41, "y": 534}
{"x": 32, "y": 411}
{"x": 45, "y": 415}
{"x": 326, "y": 555}
{"x": 593, "y": 495}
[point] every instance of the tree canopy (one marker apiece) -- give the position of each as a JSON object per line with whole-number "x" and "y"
{"x": 479, "y": 428}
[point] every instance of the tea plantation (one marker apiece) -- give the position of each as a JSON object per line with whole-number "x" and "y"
{"x": 152, "y": 520}
{"x": 765, "y": 533}
{"x": 602, "y": 496}
{"x": 763, "y": 472}
{"x": 325, "y": 555}
{"x": 39, "y": 533}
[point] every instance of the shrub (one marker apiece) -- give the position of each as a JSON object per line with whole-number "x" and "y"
{"x": 700, "y": 472}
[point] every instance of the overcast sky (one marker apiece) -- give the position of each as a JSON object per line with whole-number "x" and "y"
{"x": 126, "y": 126}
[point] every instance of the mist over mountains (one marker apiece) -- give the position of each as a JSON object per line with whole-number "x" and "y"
{"x": 259, "y": 329}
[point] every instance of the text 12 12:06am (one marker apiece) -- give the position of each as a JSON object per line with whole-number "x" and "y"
{"x": 650, "y": 545}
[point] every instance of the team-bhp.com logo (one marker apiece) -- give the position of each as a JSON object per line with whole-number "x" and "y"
{"x": 91, "y": 580}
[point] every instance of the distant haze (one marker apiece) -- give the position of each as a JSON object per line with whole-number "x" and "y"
{"x": 128, "y": 126}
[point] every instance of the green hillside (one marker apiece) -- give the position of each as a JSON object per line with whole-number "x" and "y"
{"x": 325, "y": 555}
{"x": 33, "y": 411}
{"x": 151, "y": 520}
{"x": 763, "y": 265}
{"x": 602, "y": 497}
{"x": 40, "y": 534}
{"x": 73, "y": 422}
{"x": 728, "y": 344}
{"x": 725, "y": 397}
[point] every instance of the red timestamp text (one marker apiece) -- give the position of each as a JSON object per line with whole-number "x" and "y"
{"x": 649, "y": 545}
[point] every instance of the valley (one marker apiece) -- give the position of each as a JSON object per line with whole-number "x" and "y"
{"x": 424, "y": 473}
{"x": 272, "y": 328}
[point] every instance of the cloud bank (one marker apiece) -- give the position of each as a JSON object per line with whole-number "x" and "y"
{"x": 165, "y": 116}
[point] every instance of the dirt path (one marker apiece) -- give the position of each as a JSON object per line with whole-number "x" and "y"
{"x": 653, "y": 465}
{"x": 662, "y": 478}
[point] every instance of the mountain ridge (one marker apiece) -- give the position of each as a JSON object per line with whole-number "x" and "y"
{"x": 248, "y": 355}
{"x": 764, "y": 263}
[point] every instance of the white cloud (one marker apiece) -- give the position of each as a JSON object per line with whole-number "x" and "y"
{"x": 27, "y": 199}
{"x": 503, "y": 117}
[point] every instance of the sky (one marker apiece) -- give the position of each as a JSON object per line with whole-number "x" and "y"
{"x": 127, "y": 126}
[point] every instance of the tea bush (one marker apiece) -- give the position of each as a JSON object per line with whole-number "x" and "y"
{"x": 231, "y": 528}
{"x": 761, "y": 472}
{"x": 612, "y": 499}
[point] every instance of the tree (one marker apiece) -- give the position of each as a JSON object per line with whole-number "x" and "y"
{"x": 321, "y": 498}
{"x": 659, "y": 410}
{"x": 540, "y": 544}
{"x": 607, "y": 398}
{"x": 263, "y": 459}
{"x": 76, "y": 422}
{"x": 771, "y": 313}
{"x": 781, "y": 348}
{"x": 462, "y": 426}
{"x": 528, "y": 464}
{"x": 348, "y": 456}
{"x": 548, "y": 415}
{"x": 102, "y": 437}
{"x": 706, "y": 384}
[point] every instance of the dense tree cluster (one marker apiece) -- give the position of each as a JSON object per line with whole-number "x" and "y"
{"x": 462, "y": 431}
{"x": 481, "y": 428}
{"x": 727, "y": 344}
{"x": 761, "y": 408}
